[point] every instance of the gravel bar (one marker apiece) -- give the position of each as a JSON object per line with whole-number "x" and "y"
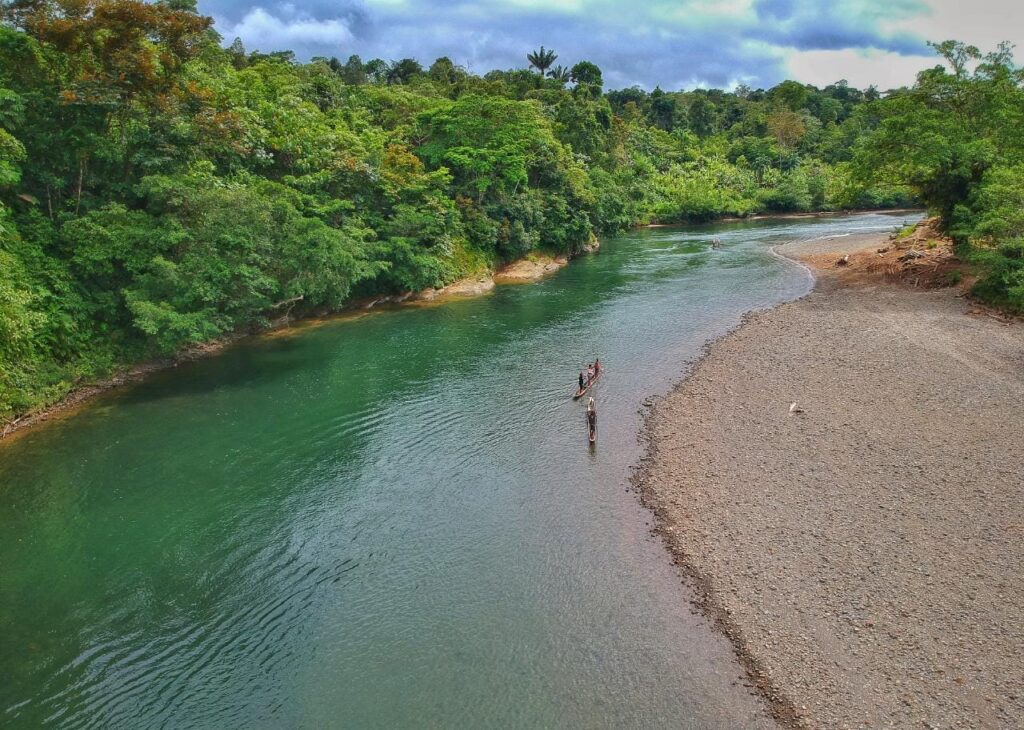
{"x": 863, "y": 549}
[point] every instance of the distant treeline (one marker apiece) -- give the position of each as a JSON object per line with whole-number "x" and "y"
{"x": 158, "y": 190}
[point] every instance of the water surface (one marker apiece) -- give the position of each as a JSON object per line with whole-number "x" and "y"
{"x": 392, "y": 522}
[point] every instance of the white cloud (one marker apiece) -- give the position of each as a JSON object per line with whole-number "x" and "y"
{"x": 558, "y": 6}
{"x": 264, "y": 31}
{"x": 701, "y": 12}
{"x": 668, "y": 42}
{"x": 983, "y": 23}
{"x": 861, "y": 68}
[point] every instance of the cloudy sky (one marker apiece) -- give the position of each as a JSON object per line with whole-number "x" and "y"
{"x": 675, "y": 43}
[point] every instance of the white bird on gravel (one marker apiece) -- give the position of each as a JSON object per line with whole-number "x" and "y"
{"x": 794, "y": 408}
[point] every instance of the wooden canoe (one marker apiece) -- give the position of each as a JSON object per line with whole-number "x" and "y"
{"x": 587, "y": 386}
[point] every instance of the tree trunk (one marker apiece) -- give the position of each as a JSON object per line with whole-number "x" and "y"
{"x": 81, "y": 174}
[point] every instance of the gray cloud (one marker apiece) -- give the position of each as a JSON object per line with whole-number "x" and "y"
{"x": 677, "y": 44}
{"x": 828, "y": 25}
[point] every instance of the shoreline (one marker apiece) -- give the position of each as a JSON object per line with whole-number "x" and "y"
{"x": 524, "y": 271}
{"x": 780, "y": 707}
{"x": 784, "y": 216}
{"x": 514, "y": 273}
{"x": 801, "y": 533}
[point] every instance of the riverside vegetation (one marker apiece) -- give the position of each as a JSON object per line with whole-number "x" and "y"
{"x": 159, "y": 190}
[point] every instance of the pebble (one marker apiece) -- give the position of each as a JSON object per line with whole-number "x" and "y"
{"x": 896, "y": 501}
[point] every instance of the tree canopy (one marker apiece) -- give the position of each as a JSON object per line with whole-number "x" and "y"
{"x": 955, "y": 139}
{"x": 158, "y": 190}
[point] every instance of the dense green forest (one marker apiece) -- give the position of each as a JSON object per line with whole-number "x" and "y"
{"x": 159, "y": 190}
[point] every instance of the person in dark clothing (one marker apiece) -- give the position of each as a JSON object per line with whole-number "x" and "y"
{"x": 581, "y": 380}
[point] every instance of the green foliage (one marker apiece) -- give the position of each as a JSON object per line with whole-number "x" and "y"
{"x": 587, "y": 78}
{"x": 541, "y": 59}
{"x": 791, "y": 195}
{"x": 703, "y": 191}
{"x": 560, "y": 74}
{"x": 503, "y": 155}
{"x": 223, "y": 256}
{"x": 18, "y": 323}
{"x": 954, "y": 138}
{"x": 158, "y": 191}
{"x": 993, "y": 224}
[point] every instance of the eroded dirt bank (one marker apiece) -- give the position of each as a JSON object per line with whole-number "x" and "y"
{"x": 863, "y": 548}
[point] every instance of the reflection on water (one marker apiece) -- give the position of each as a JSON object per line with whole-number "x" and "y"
{"x": 387, "y": 522}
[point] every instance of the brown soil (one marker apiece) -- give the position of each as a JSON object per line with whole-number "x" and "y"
{"x": 470, "y": 287}
{"x": 530, "y": 270}
{"x": 923, "y": 259}
{"x": 862, "y": 549}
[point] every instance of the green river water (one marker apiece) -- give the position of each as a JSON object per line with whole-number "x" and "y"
{"x": 393, "y": 521}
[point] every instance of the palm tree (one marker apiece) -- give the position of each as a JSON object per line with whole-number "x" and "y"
{"x": 541, "y": 60}
{"x": 560, "y": 74}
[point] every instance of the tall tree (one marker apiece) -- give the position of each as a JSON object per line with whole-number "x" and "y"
{"x": 445, "y": 71}
{"x": 119, "y": 67}
{"x": 542, "y": 60}
{"x": 587, "y": 77}
{"x": 663, "y": 109}
{"x": 702, "y": 115}
{"x": 402, "y": 72}
{"x": 353, "y": 71}
{"x": 786, "y": 126}
{"x": 376, "y": 70}
{"x": 561, "y": 74}
{"x": 791, "y": 94}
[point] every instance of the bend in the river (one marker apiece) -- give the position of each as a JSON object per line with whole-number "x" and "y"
{"x": 388, "y": 522}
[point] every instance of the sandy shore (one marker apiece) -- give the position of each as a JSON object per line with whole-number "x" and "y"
{"x": 864, "y": 553}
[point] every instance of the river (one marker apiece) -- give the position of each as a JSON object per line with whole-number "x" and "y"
{"x": 390, "y": 521}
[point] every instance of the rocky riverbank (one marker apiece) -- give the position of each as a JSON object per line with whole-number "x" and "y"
{"x": 528, "y": 270}
{"x": 841, "y": 480}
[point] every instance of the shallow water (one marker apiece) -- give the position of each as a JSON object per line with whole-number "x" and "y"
{"x": 393, "y": 521}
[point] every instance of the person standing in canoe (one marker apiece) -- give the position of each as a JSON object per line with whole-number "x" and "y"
{"x": 581, "y": 380}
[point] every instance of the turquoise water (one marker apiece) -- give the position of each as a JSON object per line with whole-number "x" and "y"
{"x": 387, "y": 522}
